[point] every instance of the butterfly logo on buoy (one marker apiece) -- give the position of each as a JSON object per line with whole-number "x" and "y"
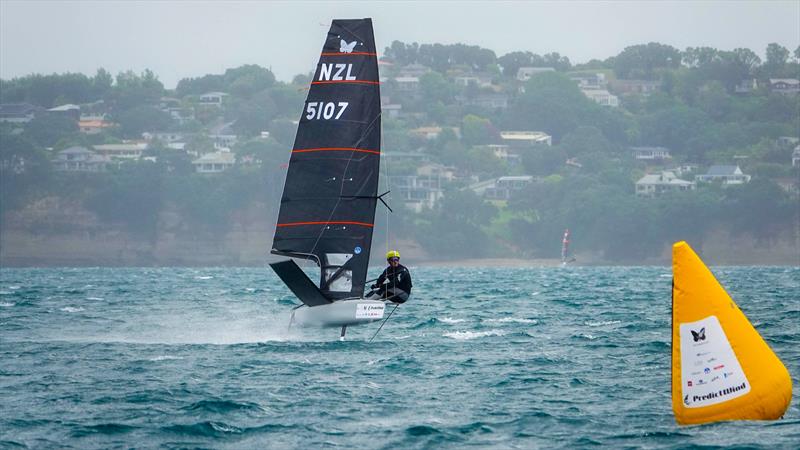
{"x": 699, "y": 335}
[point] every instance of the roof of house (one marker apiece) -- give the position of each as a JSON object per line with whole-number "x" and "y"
{"x": 74, "y": 150}
{"x": 93, "y": 123}
{"x": 516, "y": 178}
{"x": 524, "y": 135}
{"x": 664, "y": 178}
{"x": 597, "y": 93}
{"x": 216, "y": 158}
{"x": 122, "y": 147}
{"x": 64, "y": 108}
{"x": 723, "y": 170}
{"x": 793, "y": 81}
{"x": 90, "y": 156}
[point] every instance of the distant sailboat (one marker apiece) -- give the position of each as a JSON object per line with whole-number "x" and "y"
{"x": 721, "y": 367}
{"x": 565, "y": 249}
{"x": 328, "y": 204}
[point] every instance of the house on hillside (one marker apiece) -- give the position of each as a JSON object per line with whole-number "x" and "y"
{"x": 525, "y": 138}
{"x": 80, "y": 159}
{"x": 165, "y": 137}
{"x": 93, "y": 124}
{"x": 641, "y": 87}
{"x": 407, "y": 84}
{"x": 479, "y": 80}
{"x": 445, "y": 173}
{"x": 489, "y": 100}
{"x": 726, "y": 174}
{"x": 125, "y": 150}
{"x": 174, "y": 107}
{"x": 417, "y": 192}
{"x": 526, "y": 73}
{"x": 504, "y": 187}
{"x": 650, "y": 153}
{"x": 429, "y": 133}
{"x": 18, "y": 112}
{"x": 212, "y": 99}
{"x": 655, "y": 184}
{"x": 223, "y": 135}
{"x": 784, "y": 86}
{"x": 214, "y": 162}
{"x": 589, "y": 81}
{"x": 601, "y": 97}
{"x": 796, "y": 157}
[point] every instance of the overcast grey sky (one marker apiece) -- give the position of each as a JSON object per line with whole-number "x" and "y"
{"x": 178, "y": 39}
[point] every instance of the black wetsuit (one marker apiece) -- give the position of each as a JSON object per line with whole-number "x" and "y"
{"x": 398, "y": 287}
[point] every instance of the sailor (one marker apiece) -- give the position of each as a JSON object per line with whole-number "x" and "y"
{"x": 394, "y": 284}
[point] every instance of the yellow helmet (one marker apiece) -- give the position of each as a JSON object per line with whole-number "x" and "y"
{"x": 393, "y": 254}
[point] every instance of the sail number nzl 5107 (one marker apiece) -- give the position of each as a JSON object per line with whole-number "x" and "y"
{"x": 325, "y": 110}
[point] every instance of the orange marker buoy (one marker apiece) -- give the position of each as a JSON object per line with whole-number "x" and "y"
{"x": 721, "y": 367}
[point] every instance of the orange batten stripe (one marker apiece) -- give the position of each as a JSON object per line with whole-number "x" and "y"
{"x": 295, "y": 224}
{"x": 349, "y": 54}
{"x": 346, "y": 81}
{"x": 336, "y": 149}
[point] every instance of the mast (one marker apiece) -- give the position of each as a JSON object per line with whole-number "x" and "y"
{"x": 327, "y": 209}
{"x": 565, "y": 246}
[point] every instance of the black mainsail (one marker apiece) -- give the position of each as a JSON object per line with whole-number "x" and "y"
{"x": 328, "y": 205}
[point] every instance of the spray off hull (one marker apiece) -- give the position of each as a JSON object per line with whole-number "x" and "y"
{"x": 340, "y": 313}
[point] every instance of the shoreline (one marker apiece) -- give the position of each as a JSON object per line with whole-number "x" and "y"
{"x": 510, "y": 263}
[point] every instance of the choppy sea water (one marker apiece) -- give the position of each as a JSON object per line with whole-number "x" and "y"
{"x": 505, "y": 358}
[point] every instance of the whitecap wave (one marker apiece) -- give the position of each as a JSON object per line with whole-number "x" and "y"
{"x": 14, "y": 288}
{"x": 533, "y": 294}
{"x": 467, "y": 335}
{"x": 71, "y": 309}
{"x": 203, "y": 277}
{"x": 165, "y": 358}
{"x": 451, "y": 320}
{"x": 512, "y": 320}
{"x": 94, "y": 298}
{"x": 7, "y": 304}
{"x": 603, "y": 323}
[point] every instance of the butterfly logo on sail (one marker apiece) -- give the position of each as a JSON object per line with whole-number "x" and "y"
{"x": 699, "y": 335}
{"x": 344, "y": 47}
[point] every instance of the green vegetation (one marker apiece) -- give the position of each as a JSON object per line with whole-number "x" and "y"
{"x": 707, "y": 106}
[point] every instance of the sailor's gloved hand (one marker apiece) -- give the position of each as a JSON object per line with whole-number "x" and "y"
{"x": 375, "y": 286}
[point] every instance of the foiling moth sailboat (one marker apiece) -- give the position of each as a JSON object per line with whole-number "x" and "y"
{"x": 328, "y": 205}
{"x": 721, "y": 367}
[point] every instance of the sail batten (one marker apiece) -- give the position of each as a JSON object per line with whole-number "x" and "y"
{"x": 328, "y": 204}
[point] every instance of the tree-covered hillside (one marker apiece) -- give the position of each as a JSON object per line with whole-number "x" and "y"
{"x": 448, "y": 111}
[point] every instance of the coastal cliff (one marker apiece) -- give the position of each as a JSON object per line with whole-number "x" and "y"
{"x": 56, "y": 232}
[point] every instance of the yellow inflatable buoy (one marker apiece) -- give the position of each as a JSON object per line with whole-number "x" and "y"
{"x": 721, "y": 367}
